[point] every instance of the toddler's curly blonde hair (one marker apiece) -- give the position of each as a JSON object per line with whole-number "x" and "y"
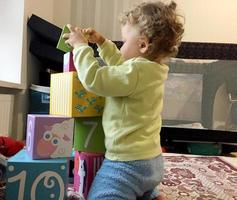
{"x": 160, "y": 23}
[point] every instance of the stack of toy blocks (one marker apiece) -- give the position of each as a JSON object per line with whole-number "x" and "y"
{"x": 69, "y": 98}
{"x": 41, "y": 170}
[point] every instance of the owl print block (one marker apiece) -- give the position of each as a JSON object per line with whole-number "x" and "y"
{"x": 49, "y": 136}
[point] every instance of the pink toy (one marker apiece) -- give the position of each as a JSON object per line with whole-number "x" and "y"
{"x": 85, "y": 167}
{"x": 68, "y": 64}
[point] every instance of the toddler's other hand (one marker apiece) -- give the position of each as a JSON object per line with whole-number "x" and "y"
{"x": 93, "y": 36}
{"x": 75, "y": 37}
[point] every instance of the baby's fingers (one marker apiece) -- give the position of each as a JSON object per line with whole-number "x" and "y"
{"x": 78, "y": 29}
{"x": 66, "y": 36}
{"x": 88, "y": 31}
{"x": 67, "y": 42}
{"x": 70, "y": 27}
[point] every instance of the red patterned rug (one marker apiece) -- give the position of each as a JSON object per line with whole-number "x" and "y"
{"x": 191, "y": 178}
{"x": 200, "y": 178}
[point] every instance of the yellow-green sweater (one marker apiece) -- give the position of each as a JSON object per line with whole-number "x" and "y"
{"x": 134, "y": 99}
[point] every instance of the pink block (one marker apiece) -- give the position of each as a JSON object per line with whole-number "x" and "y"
{"x": 86, "y": 166}
{"x": 49, "y": 136}
{"x": 68, "y": 64}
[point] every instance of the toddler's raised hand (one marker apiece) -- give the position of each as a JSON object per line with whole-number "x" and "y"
{"x": 93, "y": 36}
{"x": 75, "y": 37}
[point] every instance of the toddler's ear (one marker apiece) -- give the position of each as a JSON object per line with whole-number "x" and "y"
{"x": 143, "y": 44}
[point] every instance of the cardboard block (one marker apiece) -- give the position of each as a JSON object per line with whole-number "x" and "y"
{"x": 89, "y": 135}
{"x": 69, "y": 98}
{"x": 36, "y": 179}
{"x": 49, "y": 136}
{"x": 86, "y": 167}
{"x": 61, "y": 42}
{"x": 68, "y": 63}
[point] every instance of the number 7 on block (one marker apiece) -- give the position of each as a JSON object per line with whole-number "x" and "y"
{"x": 92, "y": 130}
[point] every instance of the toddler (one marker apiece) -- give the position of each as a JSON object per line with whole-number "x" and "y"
{"x": 133, "y": 84}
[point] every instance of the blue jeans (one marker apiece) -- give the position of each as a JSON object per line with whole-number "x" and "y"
{"x": 128, "y": 180}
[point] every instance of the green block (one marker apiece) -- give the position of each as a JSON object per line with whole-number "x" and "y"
{"x": 89, "y": 135}
{"x": 61, "y": 42}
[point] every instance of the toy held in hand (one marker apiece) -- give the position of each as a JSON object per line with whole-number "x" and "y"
{"x": 61, "y": 42}
{"x": 75, "y": 33}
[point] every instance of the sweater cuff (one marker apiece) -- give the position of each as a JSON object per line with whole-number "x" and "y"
{"x": 101, "y": 47}
{"x": 80, "y": 45}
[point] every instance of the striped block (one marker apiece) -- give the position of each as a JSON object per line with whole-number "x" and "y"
{"x": 85, "y": 169}
{"x": 36, "y": 179}
{"x": 89, "y": 135}
{"x": 69, "y": 98}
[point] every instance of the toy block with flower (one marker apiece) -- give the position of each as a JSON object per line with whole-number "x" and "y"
{"x": 69, "y": 98}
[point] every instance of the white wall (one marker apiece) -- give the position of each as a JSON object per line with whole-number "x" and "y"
{"x": 13, "y": 38}
{"x": 62, "y": 12}
{"x": 29, "y": 64}
{"x": 42, "y": 8}
{"x": 209, "y": 20}
{"x": 205, "y": 20}
{"x": 11, "y": 35}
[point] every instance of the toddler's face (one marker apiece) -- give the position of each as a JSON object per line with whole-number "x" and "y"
{"x": 130, "y": 36}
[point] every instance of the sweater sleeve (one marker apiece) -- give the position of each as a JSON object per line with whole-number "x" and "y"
{"x": 110, "y": 53}
{"x": 105, "y": 81}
